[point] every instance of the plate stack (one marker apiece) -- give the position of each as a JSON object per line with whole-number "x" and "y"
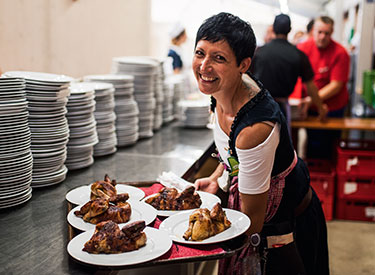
{"x": 178, "y": 93}
{"x": 144, "y": 70}
{"x": 168, "y": 87}
{"x": 16, "y": 162}
{"x": 126, "y": 108}
{"x": 82, "y": 126}
{"x": 47, "y": 97}
{"x": 194, "y": 113}
{"x": 105, "y": 118}
{"x": 159, "y": 97}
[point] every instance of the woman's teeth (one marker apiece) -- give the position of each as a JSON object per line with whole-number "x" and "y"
{"x": 205, "y": 78}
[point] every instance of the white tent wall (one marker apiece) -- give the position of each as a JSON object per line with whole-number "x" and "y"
{"x": 71, "y": 37}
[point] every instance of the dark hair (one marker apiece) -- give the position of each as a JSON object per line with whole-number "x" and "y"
{"x": 326, "y": 20}
{"x": 230, "y": 28}
{"x": 281, "y": 24}
{"x": 310, "y": 25}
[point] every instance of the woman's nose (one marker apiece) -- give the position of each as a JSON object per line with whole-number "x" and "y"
{"x": 206, "y": 64}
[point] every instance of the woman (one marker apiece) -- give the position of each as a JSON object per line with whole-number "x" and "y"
{"x": 270, "y": 183}
{"x": 178, "y": 37}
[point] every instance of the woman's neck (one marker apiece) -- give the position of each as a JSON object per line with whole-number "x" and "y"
{"x": 230, "y": 102}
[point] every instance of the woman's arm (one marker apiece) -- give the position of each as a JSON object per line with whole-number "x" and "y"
{"x": 210, "y": 183}
{"x": 254, "y": 205}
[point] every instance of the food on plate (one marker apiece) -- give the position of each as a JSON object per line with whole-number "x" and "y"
{"x": 204, "y": 223}
{"x": 171, "y": 199}
{"x": 115, "y": 209}
{"x": 109, "y": 239}
{"x": 103, "y": 188}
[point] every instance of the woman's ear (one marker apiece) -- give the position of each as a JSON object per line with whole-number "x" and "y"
{"x": 245, "y": 65}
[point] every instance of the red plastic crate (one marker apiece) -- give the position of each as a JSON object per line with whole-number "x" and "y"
{"x": 356, "y": 157}
{"x": 322, "y": 177}
{"x": 327, "y": 205}
{"x": 355, "y": 187}
{"x": 355, "y": 210}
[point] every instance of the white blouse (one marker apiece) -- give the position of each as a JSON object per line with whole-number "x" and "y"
{"x": 255, "y": 164}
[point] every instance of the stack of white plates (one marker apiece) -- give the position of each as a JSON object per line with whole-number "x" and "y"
{"x": 105, "y": 118}
{"x": 82, "y": 126}
{"x": 144, "y": 70}
{"x": 168, "y": 87}
{"x": 47, "y": 96}
{"x": 126, "y": 108}
{"x": 16, "y": 162}
{"x": 194, "y": 113}
{"x": 178, "y": 93}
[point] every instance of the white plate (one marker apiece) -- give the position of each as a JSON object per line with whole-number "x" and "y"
{"x": 157, "y": 244}
{"x": 208, "y": 201}
{"x": 42, "y": 77}
{"x": 140, "y": 211}
{"x": 176, "y": 226}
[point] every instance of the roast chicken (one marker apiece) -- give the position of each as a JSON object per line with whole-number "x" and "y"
{"x": 171, "y": 199}
{"x": 103, "y": 189}
{"x": 109, "y": 239}
{"x": 204, "y": 223}
{"x": 114, "y": 208}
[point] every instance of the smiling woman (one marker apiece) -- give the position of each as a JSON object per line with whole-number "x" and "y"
{"x": 267, "y": 181}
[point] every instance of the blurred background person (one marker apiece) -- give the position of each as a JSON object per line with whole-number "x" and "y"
{"x": 309, "y": 28}
{"x": 330, "y": 62}
{"x": 269, "y": 35}
{"x": 178, "y": 36}
{"x": 278, "y": 64}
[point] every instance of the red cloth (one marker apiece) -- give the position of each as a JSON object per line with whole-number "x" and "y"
{"x": 331, "y": 63}
{"x": 155, "y": 188}
{"x": 179, "y": 250}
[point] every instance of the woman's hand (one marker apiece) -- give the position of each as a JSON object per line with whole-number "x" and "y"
{"x": 207, "y": 184}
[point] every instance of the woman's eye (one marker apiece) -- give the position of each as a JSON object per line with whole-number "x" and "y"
{"x": 199, "y": 53}
{"x": 221, "y": 58}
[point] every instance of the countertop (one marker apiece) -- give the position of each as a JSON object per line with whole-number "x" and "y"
{"x": 34, "y": 236}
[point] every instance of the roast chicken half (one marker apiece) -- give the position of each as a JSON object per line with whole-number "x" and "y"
{"x": 114, "y": 208}
{"x": 171, "y": 199}
{"x": 103, "y": 188}
{"x": 109, "y": 239}
{"x": 204, "y": 223}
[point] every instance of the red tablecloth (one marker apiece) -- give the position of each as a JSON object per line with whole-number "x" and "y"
{"x": 179, "y": 250}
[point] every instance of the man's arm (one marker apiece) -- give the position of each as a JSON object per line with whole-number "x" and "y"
{"x": 331, "y": 89}
{"x": 312, "y": 91}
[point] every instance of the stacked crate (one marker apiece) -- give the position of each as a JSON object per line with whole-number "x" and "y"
{"x": 355, "y": 180}
{"x": 322, "y": 180}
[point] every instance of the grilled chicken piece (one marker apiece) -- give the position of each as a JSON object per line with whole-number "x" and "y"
{"x": 171, "y": 199}
{"x": 109, "y": 239}
{"x": 200, "y": 225}
{"x": 188, "y": 199}
{"x": 115, "y": 209}
{"x": 204, "y": 224}
{"x": 103, "y": 189}
{"x": 219, "y": 219}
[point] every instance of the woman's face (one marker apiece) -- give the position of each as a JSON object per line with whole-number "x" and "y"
{"x": 215, "y": 67}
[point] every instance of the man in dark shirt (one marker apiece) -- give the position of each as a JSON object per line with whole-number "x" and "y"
{"x": 278, "y": 64}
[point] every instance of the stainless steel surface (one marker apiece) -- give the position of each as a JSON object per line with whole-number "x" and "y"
{"x": 33, "y": 236}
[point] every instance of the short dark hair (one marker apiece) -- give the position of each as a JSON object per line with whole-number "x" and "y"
{"x": 281, "y": 24}
{"x": 310, "y": 25}
{"x": 326, "y": 20}
{"x": 230, "y": 28}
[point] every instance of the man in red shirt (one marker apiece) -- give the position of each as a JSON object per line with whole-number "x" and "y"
{"x": 330, "y": 62}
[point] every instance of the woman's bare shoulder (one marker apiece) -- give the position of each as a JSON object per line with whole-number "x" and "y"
{"x": 252, "y": 136}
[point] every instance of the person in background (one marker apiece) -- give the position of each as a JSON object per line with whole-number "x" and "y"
{"x": 268, "y": 182}
{"x": 298, "y": 37}
{"x": 178, "y": 37}
{"x": 330, "y": 62}
{"x": 269, "y": 35}
{"x": 309, "y": 28}
{"x": 278, "y": 65}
